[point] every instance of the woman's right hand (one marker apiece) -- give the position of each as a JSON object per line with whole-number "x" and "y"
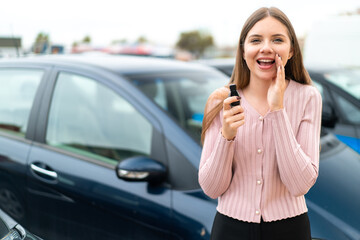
{"x": 233, "y": 118}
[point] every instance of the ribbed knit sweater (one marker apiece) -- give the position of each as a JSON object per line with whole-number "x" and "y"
{"x": 272, "y": 162}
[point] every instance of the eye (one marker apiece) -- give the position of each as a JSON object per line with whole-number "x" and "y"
{"x": 278, "y": 40}
{"x": 254, "y": 40}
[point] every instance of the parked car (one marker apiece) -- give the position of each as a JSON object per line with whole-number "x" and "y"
{"x": 340, "y": 90}
{"x": 11, "y": 230}
{"x": 107, "y": 147}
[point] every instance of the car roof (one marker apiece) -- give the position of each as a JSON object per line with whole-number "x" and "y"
{"x": 217, "y": 61}
{"x": 126, "y": 65}
{"x": 320, "y": 69}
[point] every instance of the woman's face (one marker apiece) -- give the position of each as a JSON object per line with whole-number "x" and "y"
{"x": 267, "y": 38}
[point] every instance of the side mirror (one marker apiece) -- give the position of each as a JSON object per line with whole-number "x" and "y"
{"x": 329, "y": 117}
{"x": 141, "y": 169}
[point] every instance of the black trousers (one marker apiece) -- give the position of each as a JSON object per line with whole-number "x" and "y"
{"x": 227, "y": 228}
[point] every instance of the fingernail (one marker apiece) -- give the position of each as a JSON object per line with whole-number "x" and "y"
{"x": 238, "y": 98}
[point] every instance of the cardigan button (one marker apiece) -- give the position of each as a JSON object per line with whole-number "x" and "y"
{"x": 257, "y": 212}
{"x": 259, "y": 151}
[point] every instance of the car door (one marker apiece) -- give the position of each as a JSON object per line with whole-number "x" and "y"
{"x": 86, "y": 126}
{"x": 350, "y": 116}
{"x": 347, "y": 126}
{"x": 19, "y": 98}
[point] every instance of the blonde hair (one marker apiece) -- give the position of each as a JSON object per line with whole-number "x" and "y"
{"x": 294, "y": 69}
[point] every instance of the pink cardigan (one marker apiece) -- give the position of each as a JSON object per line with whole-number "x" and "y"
{"x": 272, "y": 162}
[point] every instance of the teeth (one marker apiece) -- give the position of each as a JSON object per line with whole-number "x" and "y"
{"x": 265, "y": 60}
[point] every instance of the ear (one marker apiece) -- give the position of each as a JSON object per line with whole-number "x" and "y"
{"x": 291, "y": 53}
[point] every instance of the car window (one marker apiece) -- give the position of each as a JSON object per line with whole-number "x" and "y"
{"x": 351, "y": 112}
{"x": 348, "y": 80}
{"x": 90, "y": 119}
{"x": 17, "y": 93}
{"x": 227, "y": 70}
{"x": 182, "y": 95}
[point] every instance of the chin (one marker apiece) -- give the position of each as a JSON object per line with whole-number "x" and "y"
{"x": 267, "y": 77}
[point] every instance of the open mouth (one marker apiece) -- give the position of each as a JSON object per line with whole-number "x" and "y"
{"x": 265, "y": 62}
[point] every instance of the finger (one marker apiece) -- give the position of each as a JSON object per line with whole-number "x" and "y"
{"x": 237, "y": 124}
{"x": 280, "y": 67}
{"x": 233, "y": 111}
{"x": 228, "y": 101}
{"x": 235, "y": 118}
{"x": 236, "y": 110}
{"x": 278, "y": 61}
{"x": 279, "y": 73}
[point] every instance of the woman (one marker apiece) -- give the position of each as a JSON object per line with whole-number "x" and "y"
{"x": 260, "y": 158}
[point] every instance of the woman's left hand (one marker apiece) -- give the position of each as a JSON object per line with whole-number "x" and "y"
{"x": 275, "y": 96}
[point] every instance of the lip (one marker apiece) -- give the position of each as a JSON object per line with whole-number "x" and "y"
{"x": 267, "y": 67}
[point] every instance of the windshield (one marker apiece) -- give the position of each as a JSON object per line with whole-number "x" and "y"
{"x": 182, "y": 95}
{"x": 348, "y": 80}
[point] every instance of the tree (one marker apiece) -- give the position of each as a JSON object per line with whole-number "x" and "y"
{"x": 41, "y": 43}
{"x": 87, "y": 39}
{"x": 195, "y": 42}
{"x": 42, "y": 38}
{"x": 142, "y": 39}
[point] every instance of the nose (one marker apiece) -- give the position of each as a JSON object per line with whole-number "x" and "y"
{"x": 266, "y": 48}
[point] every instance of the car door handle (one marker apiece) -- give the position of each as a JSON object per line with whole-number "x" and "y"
{"x": 52, "y": 174}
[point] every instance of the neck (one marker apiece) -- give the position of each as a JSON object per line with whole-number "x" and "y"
{"x": 258, "y": 88}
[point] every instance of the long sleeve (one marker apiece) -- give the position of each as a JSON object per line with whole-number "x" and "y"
{"x": 272, "y": 162}
{"x": 215, "y": 171}
{"x": 298, "y": 156}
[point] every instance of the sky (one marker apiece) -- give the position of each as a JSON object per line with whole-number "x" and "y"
{"x": 160, "y": 21}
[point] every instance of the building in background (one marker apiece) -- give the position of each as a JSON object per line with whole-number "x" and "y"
{"x": 10, "y": 47}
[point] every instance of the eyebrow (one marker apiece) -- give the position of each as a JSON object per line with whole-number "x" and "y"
{"x": 275, "y": 35}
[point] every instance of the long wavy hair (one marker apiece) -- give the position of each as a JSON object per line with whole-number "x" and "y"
{"x": 294, "y": 69}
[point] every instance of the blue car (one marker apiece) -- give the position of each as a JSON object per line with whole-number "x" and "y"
{"x": 340, "y": 90}
{"x": 108, "y": 147}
